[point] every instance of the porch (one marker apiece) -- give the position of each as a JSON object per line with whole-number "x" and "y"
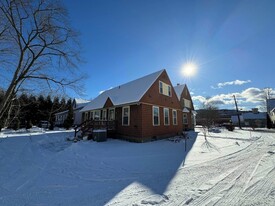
{"x": 87, "y": 127}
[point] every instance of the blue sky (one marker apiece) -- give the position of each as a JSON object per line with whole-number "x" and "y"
{"x": 232, "y": 43}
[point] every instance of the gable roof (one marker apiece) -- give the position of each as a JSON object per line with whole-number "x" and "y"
{"x": 80, "y": 103}
{"x": 179, "y": 89}
{"x": 251, "y": 115}
{"x": 130, "y": 92}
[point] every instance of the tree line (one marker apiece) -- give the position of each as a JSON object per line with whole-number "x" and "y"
{"x": 27, "y": 110}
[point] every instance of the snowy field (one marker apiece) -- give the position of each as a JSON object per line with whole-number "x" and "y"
{"x": 228, "y": 168}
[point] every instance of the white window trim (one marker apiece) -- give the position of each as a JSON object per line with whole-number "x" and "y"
{"x": 175, "y": 117}
{"x": 170, "y": 95}
{"x": 95, "y": 111}
{"x": 184, "y": 118}
{"x": 164, "y": 88}
{"x": 153, "y": 116}
{"x": 164, "y": 116}
{"x": 161, "y": 83}
{"x": 110, "y": 115}
{"x": 104, "y": 111}
{"x": 128, "y": 116}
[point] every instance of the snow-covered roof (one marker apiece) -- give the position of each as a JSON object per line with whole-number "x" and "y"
{"x": 80, "y": 103}
{"x": 178, "y": 89}
{"x": 251, "y": 115}
{"x": 185, "y": 110}
{"x": 130, "y": 92}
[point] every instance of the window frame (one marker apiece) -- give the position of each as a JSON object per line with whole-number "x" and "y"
{"x": 164, "y": 116}
{"x": 128, "y": 115}
{"x": 109, "y": 114}
{"x": 153, "y": 115}
{"x": 175, "y": 117}
{"x": 104, "y": 114}
{"x": 160, "y": 87}
{"x": 184, "y": 122}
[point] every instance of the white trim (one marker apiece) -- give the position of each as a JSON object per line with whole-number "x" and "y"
{"x": 166, "y": 109}
{"x": 165, "y": 89}
{"x": 161, "y": 83}
{"x": 175, "y": 116}
{"x": 114, "y": 109}
{"x": 122, "y": 123}
{"x": 95, "y": 117}
{"x": 153, "y": 116}
{"x": 183, "y": 118}
{"x": 104, "y": 111}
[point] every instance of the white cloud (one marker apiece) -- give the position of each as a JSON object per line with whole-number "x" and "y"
{"x": 236, "y": 82}
{"x": 199, "y": 98}
{"x": 251, "y": 96}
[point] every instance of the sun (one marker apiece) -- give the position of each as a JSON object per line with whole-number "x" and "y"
{"x": 189, "y": 69}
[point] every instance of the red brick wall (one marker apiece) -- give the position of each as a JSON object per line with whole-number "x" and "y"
{"x": 186, "y": 95}
{"x": 148, "y": 130}
{"x": 134, "y": 129}
{"x": 153, "y": 96}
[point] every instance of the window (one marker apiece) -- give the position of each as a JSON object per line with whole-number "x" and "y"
{"x": 97, "y": 115}
{"x": 175, "y": 118}
{"x": 169, "y": 91}
{"x": 112, "y": 114}
{"x": 104, "y": 114}
{"x": 185, "y": 120}
{"x": 92, "y": 116}
{"x": 166, "y": 116}
{"x": 125, "y": 116}
{"x": 160, "y": 87}
{"x": 156, "y": 116}
{"x": 187, "y": 103}
{"x": 165, "y": 89}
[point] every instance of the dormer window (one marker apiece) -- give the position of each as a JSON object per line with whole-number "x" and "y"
{"x": 165, "y": 89}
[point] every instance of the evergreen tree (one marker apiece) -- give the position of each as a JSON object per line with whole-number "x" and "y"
{"x": 70, "y": 118}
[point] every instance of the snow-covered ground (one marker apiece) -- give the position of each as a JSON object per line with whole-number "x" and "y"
{"x": 228, "y": 168}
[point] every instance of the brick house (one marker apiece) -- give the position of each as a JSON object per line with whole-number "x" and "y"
{"x": 144, "y": 109}
{"x": 189, "y": 115}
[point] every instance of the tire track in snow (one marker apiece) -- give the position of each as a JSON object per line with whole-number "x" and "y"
{"x": 231, "y": 192}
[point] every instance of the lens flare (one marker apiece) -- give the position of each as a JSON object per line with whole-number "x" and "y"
{"x": 189, "y": 69}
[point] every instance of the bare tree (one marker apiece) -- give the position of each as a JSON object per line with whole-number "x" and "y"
{"x": 208, "y": 114}
{"x": 37, "y": 44}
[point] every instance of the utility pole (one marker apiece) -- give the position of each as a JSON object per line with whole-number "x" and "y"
{"x": 239, "y": 121}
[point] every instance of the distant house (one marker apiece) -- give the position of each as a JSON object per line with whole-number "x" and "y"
{"x": 146, "y": 108}
{"x": 270, "y": 104}
{"x": 251, "y": 119}
{"x": 60, "y": 118}
{"x": 78, "y": 104}
{"x": 189, "y": 115}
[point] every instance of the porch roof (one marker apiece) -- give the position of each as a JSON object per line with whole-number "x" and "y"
{"x": 130, "y": 92}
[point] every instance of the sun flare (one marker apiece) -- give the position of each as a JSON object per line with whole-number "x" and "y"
{"x": 189, "y": 69}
